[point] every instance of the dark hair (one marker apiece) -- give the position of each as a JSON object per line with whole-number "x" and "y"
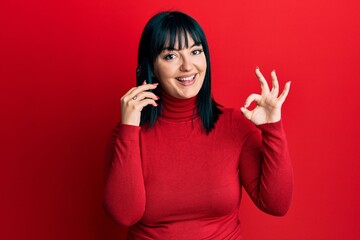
{"x": 166, "y": 28}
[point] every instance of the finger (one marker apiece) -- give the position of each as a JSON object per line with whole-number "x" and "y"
{"x": 141, "y": 104}
{"x": 133, "y": 88}
{"x": 264, "y": 85}
{"x": 136, "y": 90}
{"x": 130, "y": 90}
{"x": 253, "y": 97}
{"x": 285, "y": 92}
{"x": 145, "y": 87}
{"x": 146, "y": 95}
{"x": 247, "y": 113}
{"x": 275, "y": 84}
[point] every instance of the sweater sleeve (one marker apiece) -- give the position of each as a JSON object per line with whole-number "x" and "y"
{"x": 124, "y": 197}
{"x": 265, "y": 169}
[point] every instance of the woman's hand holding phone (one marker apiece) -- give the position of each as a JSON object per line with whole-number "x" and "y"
{"x": 133, "y": 102}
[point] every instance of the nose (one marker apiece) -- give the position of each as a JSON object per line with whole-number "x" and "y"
{"x": 186, "y": 64}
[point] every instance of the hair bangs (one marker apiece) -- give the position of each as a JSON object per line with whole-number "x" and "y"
{"x": 175, "y": 35}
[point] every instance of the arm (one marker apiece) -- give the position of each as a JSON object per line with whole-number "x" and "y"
{"x": 265, "y": 169}
{"x": 124, "y": 198}
{"x": 265, "y": 166}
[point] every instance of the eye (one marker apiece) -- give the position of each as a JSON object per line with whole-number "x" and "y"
{"x": 169, "y": 56}
{"x": 197, "y": 51}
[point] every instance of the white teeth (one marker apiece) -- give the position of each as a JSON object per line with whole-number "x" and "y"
{"x": 187, "y": 78}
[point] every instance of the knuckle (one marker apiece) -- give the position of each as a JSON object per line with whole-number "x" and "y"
{"x": 124, "y": 100}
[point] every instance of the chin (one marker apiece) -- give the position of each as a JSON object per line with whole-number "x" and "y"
{"x": 188, "y": 95}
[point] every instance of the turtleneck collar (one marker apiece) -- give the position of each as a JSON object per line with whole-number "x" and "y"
{"x": 178, "y": 109}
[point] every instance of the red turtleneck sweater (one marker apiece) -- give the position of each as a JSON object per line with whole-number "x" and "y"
{"x": 175, "y": 182}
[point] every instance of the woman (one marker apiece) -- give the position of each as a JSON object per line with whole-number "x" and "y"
{"x": 180, "y": 160}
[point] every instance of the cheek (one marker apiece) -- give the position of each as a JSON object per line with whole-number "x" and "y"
{"x": 162, "y": 71}
{"x": 202, "y": 64}
{"x": 165, "y": 75}
{"x": 162, "y": 75}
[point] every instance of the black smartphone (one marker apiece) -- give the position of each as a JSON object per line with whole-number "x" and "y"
{"x": 143, "y": 72}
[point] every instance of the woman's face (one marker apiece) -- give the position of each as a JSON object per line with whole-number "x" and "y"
{"x": 181, "y": 72}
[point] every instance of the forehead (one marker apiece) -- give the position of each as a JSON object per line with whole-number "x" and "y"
{"x": 180, "y": 41}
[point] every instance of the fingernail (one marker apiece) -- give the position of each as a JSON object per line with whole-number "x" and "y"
{"x": 257, "y": 67}
{"x": 157, "y": 97}
{"x": 155, "y": 84}
{"x": 144, "y": 82}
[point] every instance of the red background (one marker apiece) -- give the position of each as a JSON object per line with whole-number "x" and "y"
{"x": 65, "y": 64}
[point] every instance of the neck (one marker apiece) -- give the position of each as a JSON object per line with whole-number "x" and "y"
{"x": 178, "y": 109}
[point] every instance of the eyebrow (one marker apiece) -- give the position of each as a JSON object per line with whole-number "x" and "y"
{"x": 170, "y": 49}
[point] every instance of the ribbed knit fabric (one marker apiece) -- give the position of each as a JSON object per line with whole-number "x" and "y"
{"x": 175, "y": 182}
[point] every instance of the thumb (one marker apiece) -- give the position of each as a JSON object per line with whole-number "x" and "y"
{"x": 246, "y": 113}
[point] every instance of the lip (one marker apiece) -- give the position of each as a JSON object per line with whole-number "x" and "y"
{"x": 183, "y": 80}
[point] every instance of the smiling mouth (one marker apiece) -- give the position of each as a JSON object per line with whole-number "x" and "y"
{"x": 186, "y": 79}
